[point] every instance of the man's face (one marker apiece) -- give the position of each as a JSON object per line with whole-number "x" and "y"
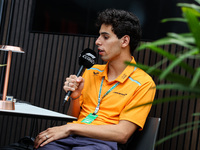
{"x": 109, "y": 45}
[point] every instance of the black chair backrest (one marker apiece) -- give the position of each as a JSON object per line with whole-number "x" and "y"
{"x": 145, "y": 139}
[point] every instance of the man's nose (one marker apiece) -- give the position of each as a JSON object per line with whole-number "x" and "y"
{"x": 98, "y": 41}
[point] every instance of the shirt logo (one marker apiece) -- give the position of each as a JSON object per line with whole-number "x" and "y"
{"x": 124, "y": 76}
{"x": 95, "y": 73}
{"x": 120, "y": 93}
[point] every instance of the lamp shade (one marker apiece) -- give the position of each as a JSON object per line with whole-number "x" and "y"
{"x": 11, "y": 48}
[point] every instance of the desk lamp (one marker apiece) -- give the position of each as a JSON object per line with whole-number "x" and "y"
{"x": 8, "y": 105}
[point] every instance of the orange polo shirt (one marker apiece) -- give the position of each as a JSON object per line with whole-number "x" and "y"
{"x": 135, "y": 87}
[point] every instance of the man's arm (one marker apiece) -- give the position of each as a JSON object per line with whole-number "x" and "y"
{"x": 119, "y": 133}
{"x": 74, "y": 108}
{"x": 74, "y": 84}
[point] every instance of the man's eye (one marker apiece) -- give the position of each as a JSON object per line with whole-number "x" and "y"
{"x": 106, "y": 37}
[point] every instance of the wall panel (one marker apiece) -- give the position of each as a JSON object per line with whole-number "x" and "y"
{"x": 38, "y": 75}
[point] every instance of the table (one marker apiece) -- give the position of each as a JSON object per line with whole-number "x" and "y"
{"x": 34, "y": 112}
{"x": 28, "y": 110}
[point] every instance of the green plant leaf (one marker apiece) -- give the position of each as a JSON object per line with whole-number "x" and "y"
{"x": 173, "y": 77}
{"x": 196, "y": 78}
{"x": 193, "y": 23}
{"x": 161, "y": 42}
{"x": 198, "y": 1}
{"x": 153, "y": 47}
{"x": 174, "y": 19}
{"x": 167, "y": 99}
{"x": 193, "y": 6}
{"x": 175, "y": 134}
{"x": 191, "y": 42}
{"x": 194, "y": 57}
{"x": 178, "y": 61}
{"x": 188, "y": 38}
{"x": 158, "y": 64}
{"x": 186, "y": 125}
{"x": 196, "y": 114}
{"x": 179, "y": 87}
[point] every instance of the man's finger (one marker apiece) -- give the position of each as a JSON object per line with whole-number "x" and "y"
{"x": 47, "y": 141}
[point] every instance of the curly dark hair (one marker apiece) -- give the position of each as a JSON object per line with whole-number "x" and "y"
{"x": 123, "y": 23}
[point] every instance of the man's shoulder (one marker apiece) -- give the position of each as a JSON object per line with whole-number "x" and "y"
{"x": 141, "y": 76}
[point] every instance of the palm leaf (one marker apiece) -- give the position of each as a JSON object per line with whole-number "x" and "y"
{"x": 176, "y": 134}
{"x": 153, "y": 47}
{"x": 193, "y": 23}
{"x": 191, "y": 86}
{"x": 196, "y": 114}
{"x": 179, "y": 87}
{"x": 198, "y": 1}
{"x": 158, "y": 64}
{"x": 195, "y": 78}
{"x": 164, "y": 41}
{"x": 174, "y": 19}
{"x": 193, "y": 6}
{"x": 186, "y": 37}
{"x": 178, "y": 61}
{"x": 173, "y": 77}
{"x": 167, "y": 99}
{"x": 186, "y": 125}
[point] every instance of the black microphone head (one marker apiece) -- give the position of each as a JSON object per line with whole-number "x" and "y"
{"x": 87, "y": 58}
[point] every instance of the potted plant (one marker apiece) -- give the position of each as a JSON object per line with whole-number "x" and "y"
{"x": 175, "y": 81}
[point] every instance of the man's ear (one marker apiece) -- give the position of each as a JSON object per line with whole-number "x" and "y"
{"x": 125, "y": 41}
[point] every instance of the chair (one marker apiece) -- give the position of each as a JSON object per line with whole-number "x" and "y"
{"x": 145, "y": 139}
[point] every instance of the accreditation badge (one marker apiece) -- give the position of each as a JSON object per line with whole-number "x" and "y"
{"x": 90, "y": 118}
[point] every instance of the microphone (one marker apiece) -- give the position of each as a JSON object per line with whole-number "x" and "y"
{"x": 86, "y": 60}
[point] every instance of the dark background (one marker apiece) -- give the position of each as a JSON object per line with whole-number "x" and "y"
{"x": 78, "y": 16}
{"x": 37, "y": 76}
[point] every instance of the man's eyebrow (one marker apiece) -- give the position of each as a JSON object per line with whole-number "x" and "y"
{"x": 104, "y": 33}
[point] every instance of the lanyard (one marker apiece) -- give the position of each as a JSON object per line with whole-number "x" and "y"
{"x": 100, "y": 98}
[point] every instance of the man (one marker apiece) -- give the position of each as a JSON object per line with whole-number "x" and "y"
{"x": 102, "y": 99}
